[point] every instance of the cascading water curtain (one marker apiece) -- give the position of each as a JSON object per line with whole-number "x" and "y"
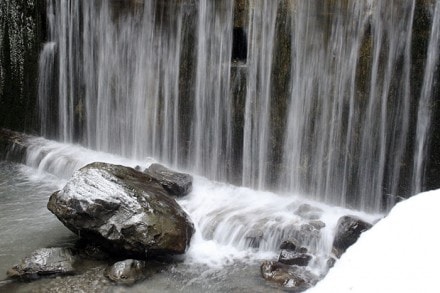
{"x": 117, "y": 75}
{"x": 211, "y": 131}
{"x": 256, "y": 145}
{"x": 424, "y": 110}
{"x": 153, "y": 78}
{"x": 348, "y": 120}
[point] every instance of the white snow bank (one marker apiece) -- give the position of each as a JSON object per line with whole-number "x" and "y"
{"x": 401, "y": 253}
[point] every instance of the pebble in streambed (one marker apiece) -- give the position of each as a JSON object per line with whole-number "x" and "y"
{"x": 126, "y": 272}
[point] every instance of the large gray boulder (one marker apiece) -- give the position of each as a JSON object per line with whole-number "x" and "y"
{"x": 126, "y": 211}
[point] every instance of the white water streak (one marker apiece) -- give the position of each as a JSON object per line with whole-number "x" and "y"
{"x": 154, "y": 79}
{"x": 425, "y": 106}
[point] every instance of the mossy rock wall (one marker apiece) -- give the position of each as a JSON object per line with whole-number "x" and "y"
{"x": 22, "y": 32}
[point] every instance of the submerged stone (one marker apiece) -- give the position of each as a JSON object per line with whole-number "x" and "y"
{"x": 318, "y": 225}
{"x": 254, "y": 238}
{"x": 126, "y": 272}
{"x": 290, "y": 244}
{"x": 287, "y": 276}
{"x": 126, "y": 211}
{"x": 44, "y": 262}
{"x": 308, "y": 212}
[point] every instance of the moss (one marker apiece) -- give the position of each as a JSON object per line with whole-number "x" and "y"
{"x": 22, "y": 32}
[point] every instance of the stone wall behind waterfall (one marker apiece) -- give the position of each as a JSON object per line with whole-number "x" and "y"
{"x": 22, "y": 32}
{"x": 334, "y": 99}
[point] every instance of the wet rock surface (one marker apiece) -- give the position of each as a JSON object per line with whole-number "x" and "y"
{"x": 318, "y": 225}
{"x": 126, "y": 211}
{"x": 91, "y": 251}
{"x": 13, "y": 145}
{"x": 44, "y": 262}
{"x": 291, "y": 277}
{"x": 309, "y": 212}
{"x": 175, "y": 183}
{"x": 294, "y": 254}
{"x": 90, "y": 280}
{"x": 254, "y": 238}
{"x": 349, "y": 228}
{"x": 290, "y": 244}
{"x": 126, "y": 272}
{"x": 291, "y": 271}
{"x": 160, "y": 277}
{"x": 290, "y": 257}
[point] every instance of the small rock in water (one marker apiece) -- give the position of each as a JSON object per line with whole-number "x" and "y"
{"x": 349, "y": 228}
{"x": 318, "y": 225}
{"x": 308, "y": 212}
{"x": 254, "y": 237}
{"x": 42, "y": 262}
{"x": 126, "y": 272}
{"x": 284, "y": 275}
{"x": 293, "y": 246}
{"x": 294, "y": 258}
{"x": 331, "y": 262}
{"x": 175, "y": 183}
{"x": 289, "y": 244}
{"x": 309, "y": 229}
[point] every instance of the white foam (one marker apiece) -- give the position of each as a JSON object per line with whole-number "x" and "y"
{"x": 227, "y": 218}
{"x": 63, "y": 159}
{"x": 224, "y": 215}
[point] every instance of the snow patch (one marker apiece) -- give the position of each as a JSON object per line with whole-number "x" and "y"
{"x": 399, "y": 254}
{"x": 91, "y": 185}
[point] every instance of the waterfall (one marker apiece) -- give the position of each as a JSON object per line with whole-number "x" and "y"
{"x": 425, "y": 103}
{"x": 342, "y": 139}
{"x": 45, "y": 85}
{"x": 211, "y": 138}
{"x": 262, "y": 17}
{"x": 329, "y": 104}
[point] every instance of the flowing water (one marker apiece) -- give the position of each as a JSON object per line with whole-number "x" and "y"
{"x": 234, "y": 232}
{"x": 327, "y": 105}
{"x": 425, "y": 103}
{"x": 154, "y": 79}
{"x": 340, "y": 140}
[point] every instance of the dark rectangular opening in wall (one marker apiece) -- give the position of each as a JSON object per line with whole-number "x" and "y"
{"x": 239, "y": 45}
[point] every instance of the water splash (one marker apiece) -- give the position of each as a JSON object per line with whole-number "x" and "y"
{"x": 231, "y": 226}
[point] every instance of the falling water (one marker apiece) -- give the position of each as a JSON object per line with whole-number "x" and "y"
{"x": 211, "y": 138}
{"x": 153, "y": 79}
{"x": 343, "y": 139}
{"x": 45, "y": 85}
{"x": 262, "y": 17}
{"x": 425, "y": 112}
{"x": 231, "y": 226}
